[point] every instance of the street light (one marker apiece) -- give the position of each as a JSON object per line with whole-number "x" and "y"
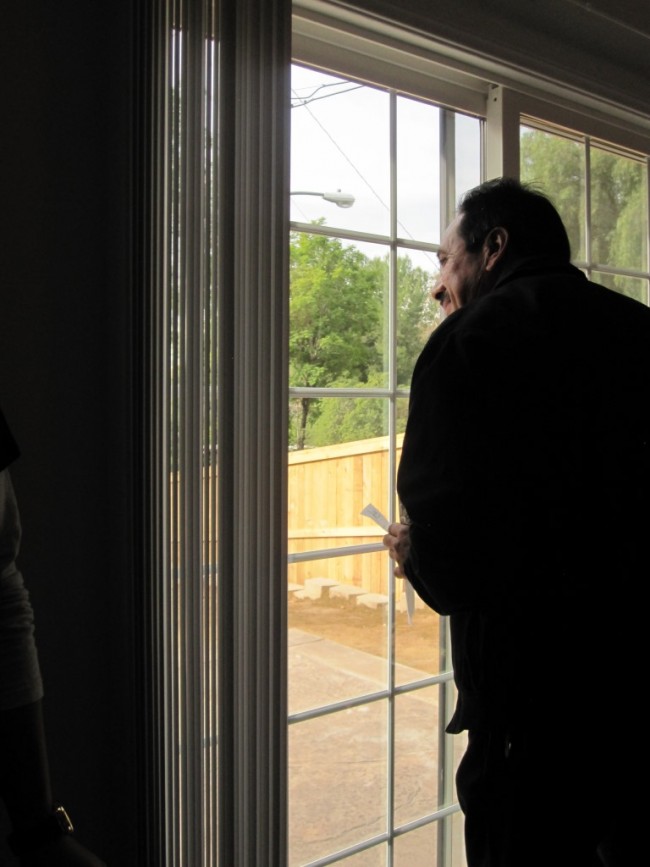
{"x": 342, "y": 200}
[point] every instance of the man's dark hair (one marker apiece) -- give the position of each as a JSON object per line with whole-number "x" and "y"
{"x": 533, "y": 224}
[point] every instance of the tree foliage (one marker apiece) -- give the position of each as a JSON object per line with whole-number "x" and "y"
{"x": 557, "y": 166}
{"x": 618, "y": 196}
{"x": 417, "y": 316}
{"x": 335, "y": 306}
{"x": 335, "y": 312}
{"x": 338, "y": 337}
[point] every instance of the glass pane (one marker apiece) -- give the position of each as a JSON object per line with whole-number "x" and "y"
{"x": 417, "y": 313}
{"x": 633, "y": 287}
{"x": 417, "y": 644}
{"x": 339, "y": 141}
{"x": 343, "y": 466}
{"x": 455, "y": 827}
{"x": 439, "y": 844}
{"x": 338, "y": 314}
{"x": 418, "y": 848}
{"x": 402, "y": 408}
{"x": 557, "y": 166}
{"x": 337, "y": 781}
{"x": 417, "y": 754}
{"x": 418, "y": 170}
{"x": 468, "y": 153}
{"x": 619, "y": 210}
{"x": 338, "y": 631}
{"x": 377, "y": 856}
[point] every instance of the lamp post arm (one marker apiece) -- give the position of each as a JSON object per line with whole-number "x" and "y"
{"x": 342, "y": 200}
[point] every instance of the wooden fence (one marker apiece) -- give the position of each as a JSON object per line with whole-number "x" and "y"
{"x": 328, "y": 488}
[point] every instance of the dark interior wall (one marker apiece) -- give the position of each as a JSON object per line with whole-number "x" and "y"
{"x": 64, "y": 158}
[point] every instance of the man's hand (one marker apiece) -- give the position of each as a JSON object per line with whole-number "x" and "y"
{"x": 398, "y": 542}
{"x": 64, "y": 852}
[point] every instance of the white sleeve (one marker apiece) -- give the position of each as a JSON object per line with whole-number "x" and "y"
{"x": 20, "y": 676}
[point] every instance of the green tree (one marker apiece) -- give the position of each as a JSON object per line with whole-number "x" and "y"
{"x": 417, "y": 315}
{"x": 557, "y": 166}
{"x": 346, "y": 419}
{"x": 620, "y": 211}
{"x": 335, "y": 308}
{"x": 618, "y": 197}
{"x": 339, "y": 322}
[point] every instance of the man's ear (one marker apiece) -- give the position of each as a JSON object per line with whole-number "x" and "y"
{"x": 494, "y": 247}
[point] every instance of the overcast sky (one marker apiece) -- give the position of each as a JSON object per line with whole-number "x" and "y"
{"x": 340, "y": 140}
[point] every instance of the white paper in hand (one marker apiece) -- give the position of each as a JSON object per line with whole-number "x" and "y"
{"x": 375, "y": 515}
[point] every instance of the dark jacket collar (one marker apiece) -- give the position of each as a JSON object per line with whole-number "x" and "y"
{"x": 525, "y": 266}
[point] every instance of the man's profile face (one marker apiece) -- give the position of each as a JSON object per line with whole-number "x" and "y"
{"x": 460, "y": 270}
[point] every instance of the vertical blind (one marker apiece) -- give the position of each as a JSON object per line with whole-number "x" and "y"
{"x": 211, "y": 240}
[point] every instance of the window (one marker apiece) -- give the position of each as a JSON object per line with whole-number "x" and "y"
{"x": 601, "y": 192}
{"x": 370, "y": 766}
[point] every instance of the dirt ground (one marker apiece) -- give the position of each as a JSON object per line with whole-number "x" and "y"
{"x": 416, "y": 645}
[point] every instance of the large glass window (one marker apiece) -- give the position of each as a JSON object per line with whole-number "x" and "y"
{"x": 374, "y": 178}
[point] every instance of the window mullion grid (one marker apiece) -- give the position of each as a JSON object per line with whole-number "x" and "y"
{"x": 447, "y": 158}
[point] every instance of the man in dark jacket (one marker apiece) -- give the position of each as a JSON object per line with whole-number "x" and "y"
{"x": 525, "y": 474}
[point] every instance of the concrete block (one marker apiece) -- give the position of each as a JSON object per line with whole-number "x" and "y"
{"x": 319, "y": 588}
{"x": 346, "y": 591}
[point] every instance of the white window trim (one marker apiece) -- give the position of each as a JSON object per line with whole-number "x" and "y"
{"x": 505, "y": 111}
{"x": 407, "y": 58}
